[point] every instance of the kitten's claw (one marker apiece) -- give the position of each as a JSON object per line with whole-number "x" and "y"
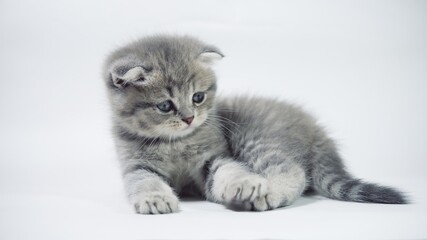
{"x": 156, "y": 203}
{"x": 249, "y": 192}
{"x": 244, "y": 189}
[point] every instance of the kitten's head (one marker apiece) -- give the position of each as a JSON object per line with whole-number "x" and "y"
{"x": 162, "y": 86}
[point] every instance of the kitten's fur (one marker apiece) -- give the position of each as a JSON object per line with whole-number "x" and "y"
{"x": 251, "y": 153}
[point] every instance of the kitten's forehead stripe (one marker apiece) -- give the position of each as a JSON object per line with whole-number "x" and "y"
{"x": 191, "y": 78}
{"x": 170, "y": 91}
{"x": 170, "y": 81}
{"x": 212, "y": 87}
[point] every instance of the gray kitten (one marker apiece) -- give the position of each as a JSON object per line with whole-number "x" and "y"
{"x": 174, "y": 138}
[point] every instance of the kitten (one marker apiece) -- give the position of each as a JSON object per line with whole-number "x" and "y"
{"x": 173, "y": 137}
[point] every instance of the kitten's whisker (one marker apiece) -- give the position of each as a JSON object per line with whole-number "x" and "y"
{"x": 218, "y": 124}
{"x": 224, "y": 109}
{"x": 215, "y": 127}
{"x": 227, "y": 119}
{"x": 221, "y": 127}
{"x": 223, "y": 122}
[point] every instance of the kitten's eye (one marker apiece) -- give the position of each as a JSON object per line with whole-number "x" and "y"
{"x": 165, "y": 106}
{"x": 198, "y": 97}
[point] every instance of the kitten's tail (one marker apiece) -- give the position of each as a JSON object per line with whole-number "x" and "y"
{"x": 330, "y": 179}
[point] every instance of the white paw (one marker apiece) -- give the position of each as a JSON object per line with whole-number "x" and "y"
{"x": 244, "y": 189}
{"x": 156, "y": 203}
{"x": 238, "y": 188}
{"x": 249, "y": 192}
{"x": 267, "y": 202}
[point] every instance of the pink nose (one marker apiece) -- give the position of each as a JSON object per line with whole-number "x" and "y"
{"x": 188, "y": 120}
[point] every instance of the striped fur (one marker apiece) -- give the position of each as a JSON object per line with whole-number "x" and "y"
{"x": 246, "y": 153}
{"x": 330, "y": 179}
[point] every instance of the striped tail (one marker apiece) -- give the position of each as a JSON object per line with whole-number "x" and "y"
{"x": 330, "y": 179}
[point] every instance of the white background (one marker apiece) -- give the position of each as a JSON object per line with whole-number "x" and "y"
{"x": 359, "y": 66}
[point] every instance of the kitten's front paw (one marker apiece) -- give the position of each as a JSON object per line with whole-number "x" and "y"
{"x": 156, "y": 203}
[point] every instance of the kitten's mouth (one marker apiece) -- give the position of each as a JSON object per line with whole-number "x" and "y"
{"x": 183, "y": 132}
{"x": 188, "y": 128}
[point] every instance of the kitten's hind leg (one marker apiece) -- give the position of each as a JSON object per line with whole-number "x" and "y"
{"x": 285, "y": 184}
{"x": 237, "y": 186}
{"x": 234, "y": 185}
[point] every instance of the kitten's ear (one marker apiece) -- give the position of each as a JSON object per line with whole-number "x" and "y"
{"x": 210, "y": 56}
{"x": 128, "y": 70}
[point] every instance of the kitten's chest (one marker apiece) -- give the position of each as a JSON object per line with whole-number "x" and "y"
{"x": 186, "y": 157}
{"x": 185, "y": 160}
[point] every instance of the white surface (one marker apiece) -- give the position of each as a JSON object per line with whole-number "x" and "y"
{"x": 360, "y": 67}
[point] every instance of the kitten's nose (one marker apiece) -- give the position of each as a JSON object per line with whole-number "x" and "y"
{"x": 188, "y": 120}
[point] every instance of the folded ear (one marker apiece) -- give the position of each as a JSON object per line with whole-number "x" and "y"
{"x": 210, "y": 56}
{"x": 128, "y": 70}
